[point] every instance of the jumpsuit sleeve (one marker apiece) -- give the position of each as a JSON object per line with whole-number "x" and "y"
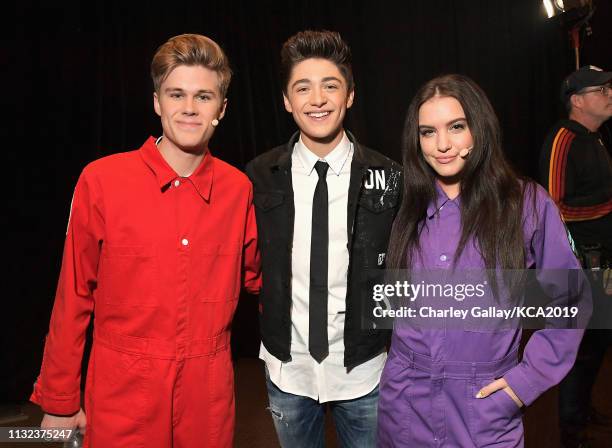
{"x": 57, "y": 389}
{"x": 551, "y": 352}
{"x": 251, "y": 256}
{"x": 560, "y": 173}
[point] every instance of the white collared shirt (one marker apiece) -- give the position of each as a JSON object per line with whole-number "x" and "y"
{"x": 328, "y": 381}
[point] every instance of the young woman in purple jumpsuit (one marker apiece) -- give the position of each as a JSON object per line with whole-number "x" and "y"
{"x": 464, "y": 208}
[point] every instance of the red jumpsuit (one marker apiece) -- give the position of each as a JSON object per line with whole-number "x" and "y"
{"x": 159, "y": 260}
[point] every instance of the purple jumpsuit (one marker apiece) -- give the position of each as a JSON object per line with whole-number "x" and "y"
{"x": 429, "y": 383}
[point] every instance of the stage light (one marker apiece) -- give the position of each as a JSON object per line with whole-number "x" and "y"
{"x": 574, "y": 16}
{"x": 557, "y": 7}
{"x": 550, "y": 12}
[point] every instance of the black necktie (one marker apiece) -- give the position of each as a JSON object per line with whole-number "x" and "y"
{"x": 317, "y": 323}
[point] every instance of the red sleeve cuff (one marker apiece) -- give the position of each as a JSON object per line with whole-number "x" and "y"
{"x": 57, "y": 405}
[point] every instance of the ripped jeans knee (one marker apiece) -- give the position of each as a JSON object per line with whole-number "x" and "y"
{"x": 299, "y": 421}
{"x": 277, "y": 415}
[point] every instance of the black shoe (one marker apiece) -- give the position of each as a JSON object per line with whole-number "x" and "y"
{"x": 11, "y": 414}
{"x": 596, "y": 418}
{"x": 577, "y": 444}
{"x": 575, "y": 440}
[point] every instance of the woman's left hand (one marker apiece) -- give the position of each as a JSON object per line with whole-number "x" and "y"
{"x": 497, "y": 385}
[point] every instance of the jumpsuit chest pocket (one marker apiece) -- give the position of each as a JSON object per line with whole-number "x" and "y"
{"x": 128, "y": 275}
{"x": 216, "y": 270}
{"x": 215, "y": 287}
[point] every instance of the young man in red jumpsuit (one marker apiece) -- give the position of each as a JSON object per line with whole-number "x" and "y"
{"x": 159, "y": 242}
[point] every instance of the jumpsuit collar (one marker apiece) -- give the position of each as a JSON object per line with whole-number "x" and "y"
{"x": 441, "y": 199}
{"x": 202, "y": 177}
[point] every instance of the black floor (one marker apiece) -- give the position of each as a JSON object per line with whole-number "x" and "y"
{"x": 254, "y": 427}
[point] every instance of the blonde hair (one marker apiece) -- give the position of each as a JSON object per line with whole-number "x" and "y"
{"x": 190, "y": 49}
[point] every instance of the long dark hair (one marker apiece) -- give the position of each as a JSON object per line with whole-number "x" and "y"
{"x": 491, "y": 192}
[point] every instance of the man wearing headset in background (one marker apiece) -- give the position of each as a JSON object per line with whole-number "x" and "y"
{"x": 576, "y": 168}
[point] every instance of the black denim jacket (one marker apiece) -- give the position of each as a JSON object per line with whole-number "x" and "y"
{"x": 373, "y": 201}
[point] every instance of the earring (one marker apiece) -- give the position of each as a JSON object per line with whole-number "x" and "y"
{"x": 215, "y": 122}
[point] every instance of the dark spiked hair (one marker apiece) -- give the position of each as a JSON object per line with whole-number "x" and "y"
{"x": 316, "y": 44}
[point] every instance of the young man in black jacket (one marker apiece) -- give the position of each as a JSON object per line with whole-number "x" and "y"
{"x": 324, "y": 206}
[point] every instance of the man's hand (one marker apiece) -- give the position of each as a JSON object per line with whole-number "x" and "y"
{"x": 497, "y": 385}
{"x": 77, "y": 420}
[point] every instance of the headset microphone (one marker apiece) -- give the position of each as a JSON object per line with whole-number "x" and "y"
{"x": 465, "y": 152}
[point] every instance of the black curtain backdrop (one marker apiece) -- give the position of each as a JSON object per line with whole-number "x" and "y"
{"x": 79, "y": 89}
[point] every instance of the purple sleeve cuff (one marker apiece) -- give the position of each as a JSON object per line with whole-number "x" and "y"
{"x": 522, "y": 387}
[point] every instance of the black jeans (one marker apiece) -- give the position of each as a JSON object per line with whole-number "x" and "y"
{"x": 575, "y": 389}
